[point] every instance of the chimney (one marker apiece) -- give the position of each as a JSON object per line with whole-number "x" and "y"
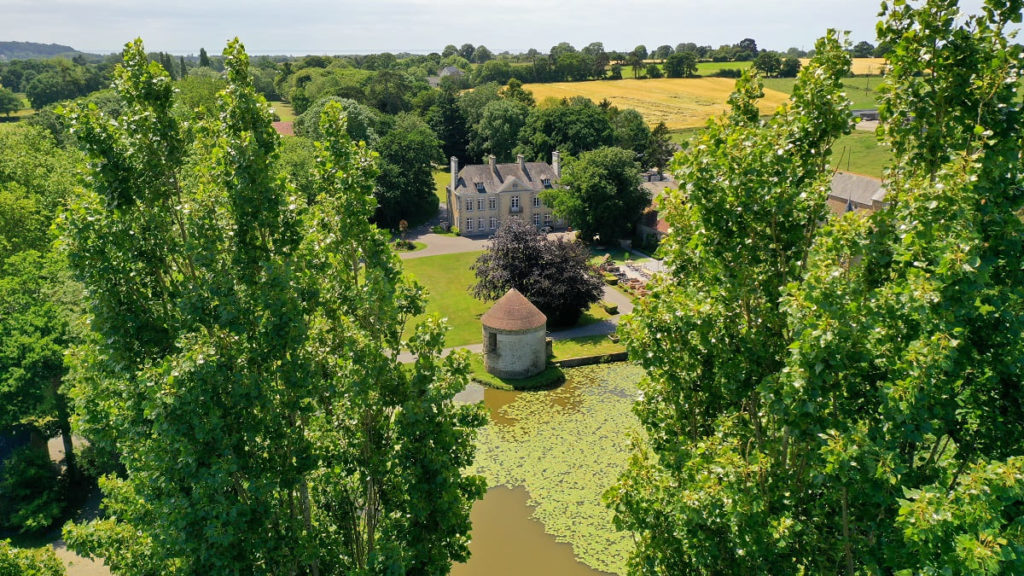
{"x": 455, "y": 171}
{"x": 491, "y": 161}
{"x": 522, "y": 162}
{"x": 556, "y": 163}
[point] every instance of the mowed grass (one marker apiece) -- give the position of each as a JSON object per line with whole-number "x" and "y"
{"x": 448, "y": 279}
{"x": 586, "y": 346}
{"x": 678, "y": 102}
{"x": 283, "y": 109}
{"x": 441, "y": 180}
{"x": 860, "y": 152}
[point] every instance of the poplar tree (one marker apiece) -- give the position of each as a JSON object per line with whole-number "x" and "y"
{"x": 855, "y": 410}
{"x": 243, "y": 355}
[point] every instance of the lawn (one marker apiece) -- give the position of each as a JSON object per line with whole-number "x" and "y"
{"x": 586, "y": 346}
{"x": 678, "y": 102}
{"x": 448, "y": 279}
{"x": 441, "y": 180}
{"x": 283, "y": 109}
{"x": 859, "y": 152}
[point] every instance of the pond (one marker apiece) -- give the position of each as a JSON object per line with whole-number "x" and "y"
{"x": 558, "y": 450}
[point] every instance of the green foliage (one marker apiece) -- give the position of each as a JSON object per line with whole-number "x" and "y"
{"x": 554, "y": 275}
{"x": 497, "y": 132}
{"x": 571, "y": 127}
{"x": 197, "y": 92}
{"x": 629, "y": 131}
{"x": 600, "y": 194}
{"x": 861, "y": 416}
{"x": 243, "y": 360}
{"x": 9, "y": 102}
{"x": 28, "y": 562}
{"x": 712, "y": 334}
{"x": 681, "y": 65}
{"x": 405, "y": 188}
{"x": 31, "y": 498}
{"x": 361, "y": 125}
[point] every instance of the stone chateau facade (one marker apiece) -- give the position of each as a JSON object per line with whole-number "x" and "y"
{"x": 481, "y": 196}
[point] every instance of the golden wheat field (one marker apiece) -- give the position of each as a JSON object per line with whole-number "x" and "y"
{"x": 678, "y": 102}
{"x": 860, "y": 66}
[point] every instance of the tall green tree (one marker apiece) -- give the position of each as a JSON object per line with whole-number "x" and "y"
{"x": 9, "y": 102}
{"x": 862, "y": 419}
{"x": 702, "y": 496}
{"x": 555, "y": 275}
{"x": 600, "y": 194}
{"x": 449, "y": 124}
{"x": 916, "y": 315}
{"x": 243, "y": 360}
{"x": 405, "y": 188}
{"x": 498, "y": 130}
{"x": 204, "y": 59}
{"x": 573, "y": 126}
{"x": 681, "y": 65}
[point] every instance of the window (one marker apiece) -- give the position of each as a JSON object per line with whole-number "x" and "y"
{"x": 492, "y": 341}
{"x": 547, "y": 219}
{"x": 536, "y": 219}
{"x": 469, "y": 205}
{"x": 480, "y": 224}
{"x": 494, "y": 222}
{"x": 469, "y": 224}
{"x": 536, "y": 201}
{"x": 515, "y": 202}
{"x": 480, "y": 187}
{"x": 546, "y": 182}
{"x": 480, "y": 204}
{"x": 492, "y": 203}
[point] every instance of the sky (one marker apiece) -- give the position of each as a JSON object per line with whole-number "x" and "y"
{"x": 420, "y": 26}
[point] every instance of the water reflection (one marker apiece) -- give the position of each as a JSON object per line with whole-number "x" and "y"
{"x": 506, "y": 541}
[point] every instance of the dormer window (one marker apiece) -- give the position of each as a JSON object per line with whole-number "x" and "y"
{"x": 480, "y": 187}
{"x": 546, "y": 182}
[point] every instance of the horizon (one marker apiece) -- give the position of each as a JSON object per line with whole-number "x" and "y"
{"x": 348, "y": 28}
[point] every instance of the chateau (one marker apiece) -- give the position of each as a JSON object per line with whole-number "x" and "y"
{"x": 481, "y": 196}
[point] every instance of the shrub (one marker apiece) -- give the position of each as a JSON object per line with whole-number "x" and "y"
{"x": 610, "y": 308}
{"x": 30, "y": 492}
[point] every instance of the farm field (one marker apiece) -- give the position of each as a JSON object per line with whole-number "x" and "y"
{"x": 862, "y": 90}
{"x": 708, "y": 68}
{"x": 678, "y": 102}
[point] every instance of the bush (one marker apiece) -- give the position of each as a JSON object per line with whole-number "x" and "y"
{"x": 726, "y": 73}
{"x": 29, "y": 562}
{"x": 30, "y": 491}
{"x": 437, "y": 229}
{"x": 610, "y": 308}
{"x": 611, "y": 279}
{"x": 455, "y": 230}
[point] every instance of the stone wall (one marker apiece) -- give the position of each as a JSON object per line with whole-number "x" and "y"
{"x": 517, "y": 355}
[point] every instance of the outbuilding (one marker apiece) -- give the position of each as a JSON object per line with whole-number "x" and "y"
{"x": 514, "y": 333}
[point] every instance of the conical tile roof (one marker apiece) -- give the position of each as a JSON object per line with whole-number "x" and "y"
{"x": 514, "y": 312}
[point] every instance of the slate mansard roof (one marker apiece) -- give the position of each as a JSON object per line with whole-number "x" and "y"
{"x": 513, "y": 312}
{"x": 527, "y": 177}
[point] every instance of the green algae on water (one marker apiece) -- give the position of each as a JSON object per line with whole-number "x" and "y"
{"x": 566, "y": 447}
